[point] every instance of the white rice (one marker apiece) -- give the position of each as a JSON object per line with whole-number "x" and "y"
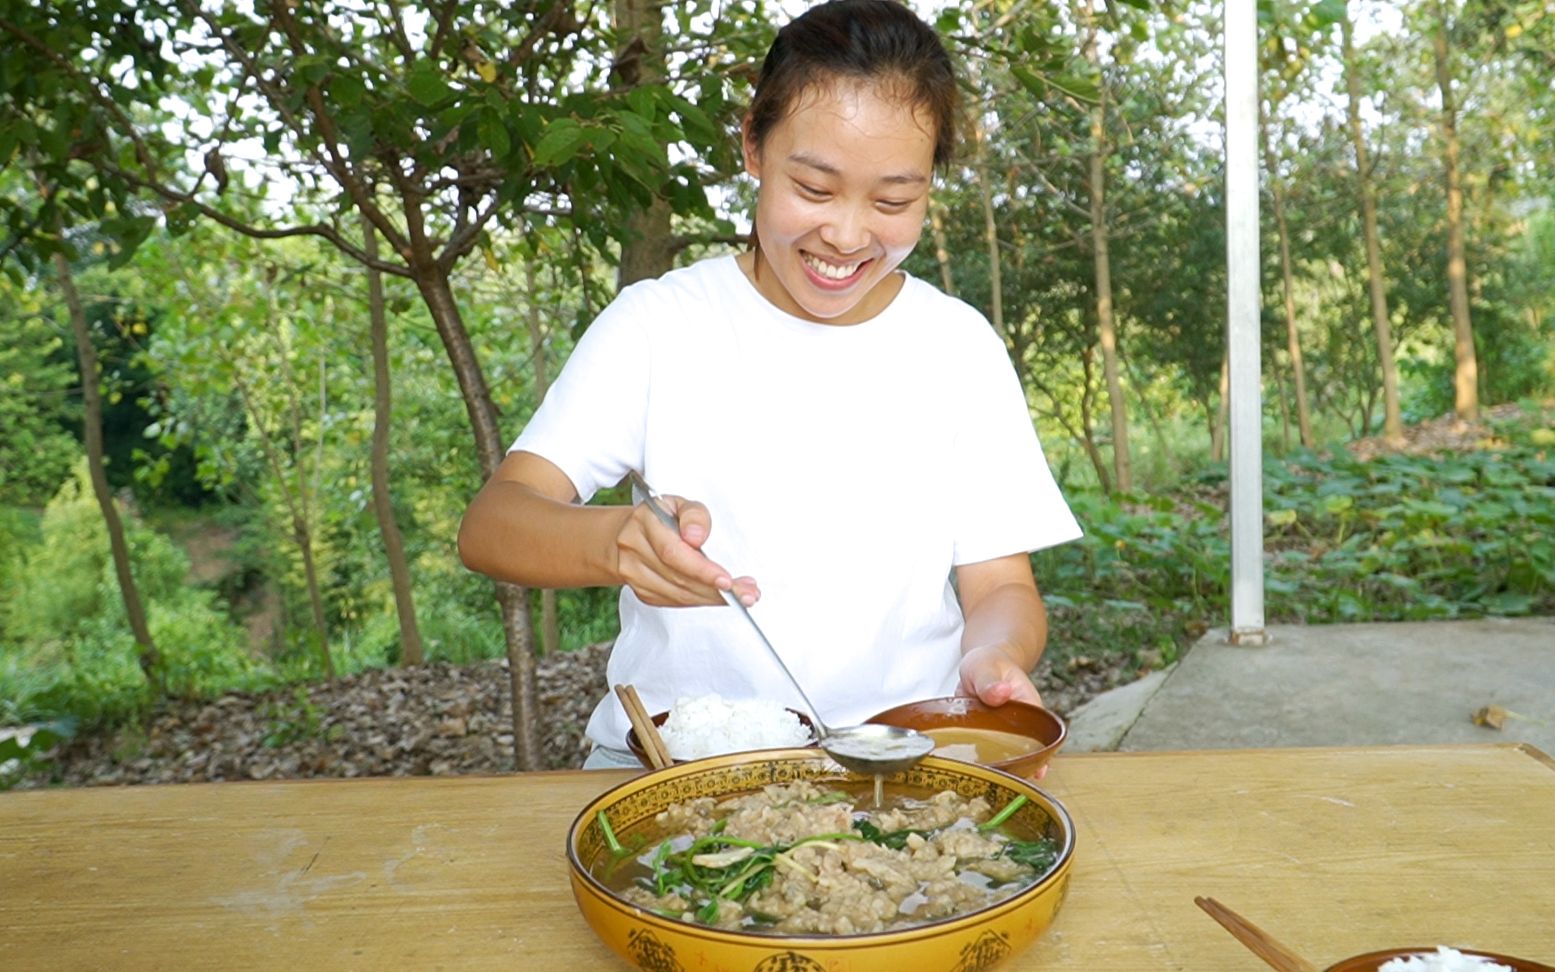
{"x": 1445, "y": 960}
{"x": 709, "y": 725}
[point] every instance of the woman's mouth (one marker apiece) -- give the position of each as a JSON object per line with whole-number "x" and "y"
{"x": 829, "y": 275}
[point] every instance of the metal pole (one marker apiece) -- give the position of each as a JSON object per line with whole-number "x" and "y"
{"x": 1242, "y": 322}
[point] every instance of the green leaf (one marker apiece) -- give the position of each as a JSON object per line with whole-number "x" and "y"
{"x": 559, "y": 143}
{"x": 1031, "y": 81}
{"x": 347, "y": 90}
{"x": 493, "y": 134}
{"x": 426, "y": 84}
{"x": 1085, "y": 89}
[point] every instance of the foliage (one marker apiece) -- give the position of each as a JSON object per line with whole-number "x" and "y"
{"x": 69, "y": 646}
{"x": 37, "y": 413}
{"x": 1400, "y": 537}
{"x": 1413, "y": 537}
{"x": 23, "y": 754}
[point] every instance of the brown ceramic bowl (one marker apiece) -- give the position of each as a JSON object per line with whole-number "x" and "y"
{"x": 1372, "y": 961}
{"x": 636, "y": 746}
{"x": 1041, "y": 725}
{"x": 976, "y": 940}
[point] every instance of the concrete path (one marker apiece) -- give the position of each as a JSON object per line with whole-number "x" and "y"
{"x": 1338, "y": 684}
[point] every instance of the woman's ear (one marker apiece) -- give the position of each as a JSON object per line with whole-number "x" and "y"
{"x": 751, "y": 152}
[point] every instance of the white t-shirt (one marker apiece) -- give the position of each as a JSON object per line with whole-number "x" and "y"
{"x": 847, "y": 469}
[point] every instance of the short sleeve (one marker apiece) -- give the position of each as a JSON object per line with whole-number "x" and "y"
{"x": 592, "y": 419}
{"x": 1007, "y": 500}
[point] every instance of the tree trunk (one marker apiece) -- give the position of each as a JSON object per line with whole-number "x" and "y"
{"x": 1087, "y": 427}
{"x": 990, "y": 228}
{"x": 303, "y": 535}
{"x": 1162, "y": 442}
{"x": 941, "y": 246}
{"x": 1298, "y": 370}
{"x": 299, "y": 502}
{"x": 1466, "y": 373}
{"x": 1217, "y": 433}
{"x": 383, "y": 505}
{"x": 1279, "y": 381}
{"x": 1392, "y": 423}
{"x": 550, "y": 633}
{"x": 146, "y": 654}
{"x": 649, "y": 249}
{"x": 517, "y": 625}
{"x": 1106, "y": 326}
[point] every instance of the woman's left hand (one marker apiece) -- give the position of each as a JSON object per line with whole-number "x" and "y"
{"x": 989, "y": 674}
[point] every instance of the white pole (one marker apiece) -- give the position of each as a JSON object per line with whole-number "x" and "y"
{"x": 1242, "y": 324}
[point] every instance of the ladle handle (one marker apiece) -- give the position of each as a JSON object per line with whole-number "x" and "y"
{"x": 651, "y": 500}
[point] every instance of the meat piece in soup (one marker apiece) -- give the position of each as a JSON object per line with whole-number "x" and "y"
{"x": 802, "y": 859}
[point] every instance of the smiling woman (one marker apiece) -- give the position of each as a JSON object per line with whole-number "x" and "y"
{"x": 812, "y": 354}
{"x": 844, "y": 189}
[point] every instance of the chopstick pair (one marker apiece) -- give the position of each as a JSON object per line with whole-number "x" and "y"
{"x": 642, "y": 723}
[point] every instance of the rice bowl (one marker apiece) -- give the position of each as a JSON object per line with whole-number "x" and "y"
{"x": 709, "y": 725}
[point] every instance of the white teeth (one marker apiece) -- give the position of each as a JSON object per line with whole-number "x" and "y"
{"x": 828, "y": 270}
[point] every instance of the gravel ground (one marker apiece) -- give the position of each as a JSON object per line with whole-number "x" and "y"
{"x": 437, "y": 719}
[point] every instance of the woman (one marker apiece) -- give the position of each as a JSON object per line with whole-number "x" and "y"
{"x": 846, "y": 448}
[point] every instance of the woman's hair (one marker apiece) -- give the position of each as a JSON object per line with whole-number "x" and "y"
{"x": 878, "y": 41}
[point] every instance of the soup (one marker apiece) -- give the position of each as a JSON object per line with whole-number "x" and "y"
{"x": 984, "y": 746}
{"x": 801, "y": 858}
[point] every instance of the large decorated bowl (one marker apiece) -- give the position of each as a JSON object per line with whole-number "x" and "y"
{"x": 969, "y": 942}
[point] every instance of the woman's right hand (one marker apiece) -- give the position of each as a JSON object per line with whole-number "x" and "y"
{"x": 668, "y": 569}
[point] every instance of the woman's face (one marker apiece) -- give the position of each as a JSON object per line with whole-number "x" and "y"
{"x": 844, "y": 186}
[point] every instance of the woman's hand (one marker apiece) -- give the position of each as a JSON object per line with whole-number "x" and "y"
{"x": 991, "y": 675}
{"x": 668, "y": 569}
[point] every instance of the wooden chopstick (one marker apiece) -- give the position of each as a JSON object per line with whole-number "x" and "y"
{"x": 647, "y": 733}
{"x": 1256, "y": 939}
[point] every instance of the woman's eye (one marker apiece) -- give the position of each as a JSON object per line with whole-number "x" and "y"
{"x": 894, "y": 205}
{"x": 812, "y": 191}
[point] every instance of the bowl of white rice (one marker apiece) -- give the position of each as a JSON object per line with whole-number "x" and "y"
{"x": 711, "y": 725}
{"x": 1438, "y": 959}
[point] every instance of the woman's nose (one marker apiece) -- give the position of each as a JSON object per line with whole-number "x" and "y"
{"x": 846, "y": 231}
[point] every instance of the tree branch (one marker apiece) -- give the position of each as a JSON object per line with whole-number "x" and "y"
{"x": 445, "y": 17}
{"x": 396, "y": 29}
{"x": 329, "y": 134}
{"x": 233, "y": 223}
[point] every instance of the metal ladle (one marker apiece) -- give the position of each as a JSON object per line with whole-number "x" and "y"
{"x": 872, "y": 750}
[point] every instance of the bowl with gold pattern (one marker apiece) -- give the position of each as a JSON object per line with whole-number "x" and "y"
{"x": 669, "y": 873}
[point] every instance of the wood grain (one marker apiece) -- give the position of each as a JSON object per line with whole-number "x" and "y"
{"x": 1337, "y": 851}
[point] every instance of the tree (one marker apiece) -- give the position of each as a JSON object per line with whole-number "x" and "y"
{"x": 1365, "y": 191}
{"x": 1466, "y": 372}
{"x": 411, "y": 652}
{"x": 1106, "y": 327}
{"x": 91, "y": 397}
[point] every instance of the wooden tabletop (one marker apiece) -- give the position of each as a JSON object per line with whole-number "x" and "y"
{"x": 1333, "y": 851}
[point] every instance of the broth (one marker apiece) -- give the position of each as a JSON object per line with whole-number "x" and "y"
{"x": 980, "y": 745}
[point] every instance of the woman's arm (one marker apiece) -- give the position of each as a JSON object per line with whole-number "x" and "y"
{"x": 1006, "y": 629}
{"x": 525, "y": 526}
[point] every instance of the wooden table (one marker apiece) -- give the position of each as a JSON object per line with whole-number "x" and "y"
{"x": 1334, "y": 851}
